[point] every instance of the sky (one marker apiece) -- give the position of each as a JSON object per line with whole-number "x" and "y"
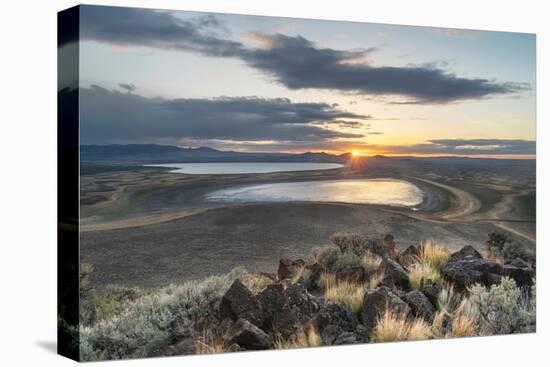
{"x": 268, "y": 84}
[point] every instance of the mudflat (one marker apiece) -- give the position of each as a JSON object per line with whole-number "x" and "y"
{"x": 152, "y": 227}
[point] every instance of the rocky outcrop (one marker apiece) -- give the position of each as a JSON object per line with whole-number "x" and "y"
{"x": 409, "y": 256}
{"x": 523, "y": 276}
{"x": 420, "y": 305}
{"x": 289, "y": 268}
{"x": 431, "y": 291}
{"x": 467, "y": 267}
{"x": 239, "y": 303}
{"x": 394, "y": 274}
{"x": 248, "y": 336}
{"x": 377, "y": 301}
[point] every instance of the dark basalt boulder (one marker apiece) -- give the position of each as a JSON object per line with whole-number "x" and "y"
{"x": 271, "y": 299}
{"x": 248, "y": 336}
{"x": 394, "y": 274}
{"x": 335, "y": 314}
{"x": 409, "y": 256}
{"x": 518, "y": 263}
{"x": 299, "y": 298}
{"x": 289, "y": 268}
{"x": 285, "y": 310}
{"x": 345, "y": 338}
{"x": 353, "y": 274}
{"x": 377, "y": 247}
{"x": 239, "y": 303}
{"x": 286, "y": 322}
{"x": 431, "y": 291}
{"x": 330, "y": 333}
{"x": 420, "y": 305}
{"x": 375, "y": 303}
{"x": 469, "y": 270}
{"x": 523, "y": 276}
{"x": 465, "y": 252}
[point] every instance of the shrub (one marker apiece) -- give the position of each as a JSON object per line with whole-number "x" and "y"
{"x": 392, "y": 326}
{"x": 346, "y": 259}
{"x": 304, "y": 339}
{"x": 342, "y": 291}
{"x": 514, "y": 250}
{"x": 349, "y": 242}
{"x": 104, "y": 305}
{"x": 495, "y": 243}
{"x": 142, "y": 327}
{"x": 503, "y": 308}
{"x": 326, "y": 256}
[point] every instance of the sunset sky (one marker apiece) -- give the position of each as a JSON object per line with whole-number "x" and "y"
{"x": 252, "y": 83}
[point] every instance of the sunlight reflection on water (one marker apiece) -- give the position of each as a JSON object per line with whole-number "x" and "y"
{"x": 364, "y": 191}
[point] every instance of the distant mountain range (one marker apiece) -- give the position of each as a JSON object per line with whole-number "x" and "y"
{"x": 167, "y": 153}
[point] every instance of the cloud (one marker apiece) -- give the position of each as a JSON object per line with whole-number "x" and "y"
{"x": 115, "y": 117}
{"x": 128, "y": 87}
{"x": 460, "y": 147}
{"x": 295, "y": 62}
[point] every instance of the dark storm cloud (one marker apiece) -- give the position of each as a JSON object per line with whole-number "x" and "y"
{"x": 297, "y": 63}
{"x": 110, "y": 116}
{"x": 294, "y": 62}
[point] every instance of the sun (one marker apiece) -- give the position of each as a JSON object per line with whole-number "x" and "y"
{"x": 355, "y": 153}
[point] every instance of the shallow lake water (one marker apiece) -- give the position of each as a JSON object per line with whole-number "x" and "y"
{"x": 223, "y": 168}
{"x": 364, "y": 191}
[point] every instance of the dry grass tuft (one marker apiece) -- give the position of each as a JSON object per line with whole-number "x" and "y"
{"x": 342, "y": 291}
{"x": 304, "y": 339}
{"x": 370, "y": 261}
{"x": 392, "y": 326}
{"x": 299, "y": 273}
{"x": 434, "y": 254}
{"x": 212, "y": 342}
{"x": 256, "y": 282}
{"x": 422, "y": 272}
{"x": 462, "y": 326}
{"x": 375, "y": 280}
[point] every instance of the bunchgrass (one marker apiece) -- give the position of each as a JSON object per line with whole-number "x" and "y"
{"x": 421, "y": 273}
{"x": 434, "y": 254}
{"x": 304, "y": 339}
{"x": 343, "y": 291}
{"x": 393, "y": 326}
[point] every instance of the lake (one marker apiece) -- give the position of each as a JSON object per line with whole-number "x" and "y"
{"x": 223, "y": 168}
{"x": 364, "y": 191}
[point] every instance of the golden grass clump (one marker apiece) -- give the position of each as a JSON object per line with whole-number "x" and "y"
{"x": 299, "y": 273}
{"x": 393, "y": 326}
{"x": 462, "y": 326}
{"x": 434, "y": 254}
{"x": 343, "y": 291}
{"x": 256, "y": 282}
{"x": 422, "y": 272}
{"x": 211, "y": 342}
{"x": 375, "y": 280}
{"x": 304, "y": 339}
{"x": 370, "y": 261}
